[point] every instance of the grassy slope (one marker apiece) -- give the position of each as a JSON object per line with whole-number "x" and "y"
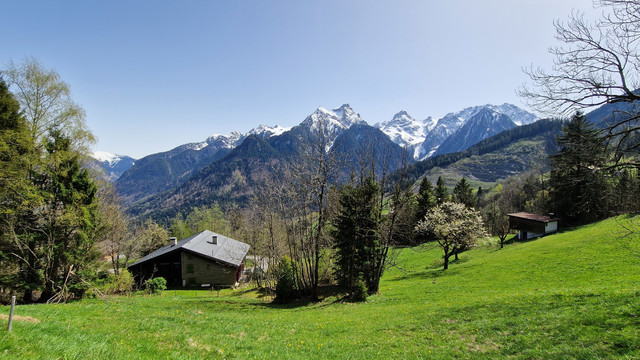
{"x": 485, "y": 170}
{"x": 570, "y": 295}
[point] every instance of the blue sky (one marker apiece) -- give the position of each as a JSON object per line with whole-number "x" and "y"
{"x": 156, "y": 74}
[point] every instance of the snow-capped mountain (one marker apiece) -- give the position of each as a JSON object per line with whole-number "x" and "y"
{"x": 336, "y": 121}
{"x": 406, "y": 131}
{"x": 266, "y": 132}
{"x": 518, "y": 116}
{"x": 484, "y": 124}
{"x": 452, "y": 122}
{"x": 113, "y": 165}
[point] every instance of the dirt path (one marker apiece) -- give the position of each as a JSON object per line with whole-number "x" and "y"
{"x": 20, "y": 318}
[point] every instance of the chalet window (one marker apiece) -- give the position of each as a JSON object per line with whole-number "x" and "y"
{"x": 190, "y": 268}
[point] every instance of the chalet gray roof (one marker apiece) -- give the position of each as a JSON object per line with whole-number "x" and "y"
{"x": 224, "y": 249}
{"x": 534, "y": 217}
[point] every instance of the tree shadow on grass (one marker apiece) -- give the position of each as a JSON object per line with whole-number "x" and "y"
{"x": 426, "y": 274}
{"x": 325, "y": 293}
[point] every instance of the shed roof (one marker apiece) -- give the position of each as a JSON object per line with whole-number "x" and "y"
{"x": 226, "y": 249}
{"x": 534, "y": 217}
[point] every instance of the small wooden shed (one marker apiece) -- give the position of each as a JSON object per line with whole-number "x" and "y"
{"x": 533, "y": 225}
{"x": 204, "y": 259}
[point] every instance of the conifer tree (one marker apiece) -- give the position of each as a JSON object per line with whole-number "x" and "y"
{"x": 579, "y": 190}
{"x": 355, "y": 235}
{"x": 441, "y": 193}
{"x": 463, "y": 194}
{"x": 426, "y": 198}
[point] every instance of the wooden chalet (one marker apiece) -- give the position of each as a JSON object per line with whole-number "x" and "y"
{"x": 533, "y": 225}
{"x": 204, "y": 259}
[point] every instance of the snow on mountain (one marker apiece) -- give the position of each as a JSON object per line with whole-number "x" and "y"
{"x": 404, "y": 130}
{"x": 341, "y": 118}
{"x": 113, "y": 165}
{"x": 484, "y": 124}
{"x": 336, "y": 121}
{"x": 452, "y": 122}
{"x": 265, "y": 131}
{"x": 225, "y": 141}
{"x": 518, "y": 116}
{"x": 107, "y": 157}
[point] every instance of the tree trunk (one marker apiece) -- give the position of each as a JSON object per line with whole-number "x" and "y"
{"x": 446, "y": 260}
{"x": 28, "y": 296}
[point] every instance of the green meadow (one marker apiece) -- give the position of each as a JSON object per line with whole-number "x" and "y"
{"x": 573, "y": 295}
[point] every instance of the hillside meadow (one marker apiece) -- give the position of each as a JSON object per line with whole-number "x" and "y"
{"x": 571, "y": 295}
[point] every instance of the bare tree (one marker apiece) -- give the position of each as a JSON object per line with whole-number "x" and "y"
{"x": 597, "y": 64}
{"x": 318, "y": 167}
{"x": 112, "y": 228}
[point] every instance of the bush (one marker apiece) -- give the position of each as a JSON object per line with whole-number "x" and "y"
{"x": 359, "y": 292}
{"x": 286, "y": 281}
{"x": 121, "y": 283}
{"x": 155, "y": 285}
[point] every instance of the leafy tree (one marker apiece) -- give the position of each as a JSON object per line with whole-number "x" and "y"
{"x": 441, "y": 193}
{"x": 454, "y": 227}
{"x": 180, "y": 228}
{"x": 207, "y": 218}
{"x": 46, "y": 102}
{"x": 498, "y": 222}
{"x": 579, "y": 190}
{"x": 462, "y": 193}
{"x": 149, "y": 237}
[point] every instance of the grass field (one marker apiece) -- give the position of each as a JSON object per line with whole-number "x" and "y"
{"x": 570, "y": 295}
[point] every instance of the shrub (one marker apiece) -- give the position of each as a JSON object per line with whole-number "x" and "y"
{"x": 359, "y": 292}
{"x": 286, "y": 281}
{"x": 155, "y": 285}
{"x": 121, "y": 283}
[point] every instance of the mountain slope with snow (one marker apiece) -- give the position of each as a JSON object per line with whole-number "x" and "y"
{"x": 484, "y": 124}
{"x": 335, "y": 121}
{"x": 452, "y": 122}
{"x": 112, "y": 165}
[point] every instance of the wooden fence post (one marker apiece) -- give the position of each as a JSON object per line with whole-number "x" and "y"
{"x": 13, "y": 305}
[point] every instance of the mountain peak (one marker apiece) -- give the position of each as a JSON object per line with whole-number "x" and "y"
{"x": 107, "y": 157}
{"x": 400, "y": 114}
{"x": 343, "y": 117}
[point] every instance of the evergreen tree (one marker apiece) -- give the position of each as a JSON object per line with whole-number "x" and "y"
{"x": 69, "y": 210}
{"x": 355, "y": 235}
{"x": 625, "y": 193}
{"x": 441, "y": 193}
{"x": 426, "y": 199}
{"x": 579, "y": 190}
{"x": 463, "y": 194}
{"x": 47, "y": 208}
{"x": 480, "y": 197}
{"x": 16, "y": 149}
